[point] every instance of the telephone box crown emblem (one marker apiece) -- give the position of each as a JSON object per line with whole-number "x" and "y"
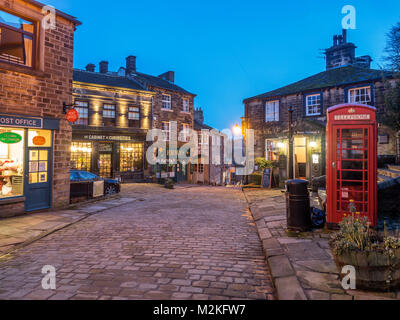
{"x": 351, "y": 110}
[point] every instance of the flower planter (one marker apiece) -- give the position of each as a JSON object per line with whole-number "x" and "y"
{"x": 375, "y": 270}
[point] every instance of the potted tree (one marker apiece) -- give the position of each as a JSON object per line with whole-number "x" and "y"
{"x": 375, "y": 258}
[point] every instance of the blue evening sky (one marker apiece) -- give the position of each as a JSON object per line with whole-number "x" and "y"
{"x": 224, "y": 51}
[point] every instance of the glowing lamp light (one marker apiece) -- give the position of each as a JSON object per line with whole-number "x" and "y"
{"x": 313, "y": 144}
{"x": 280, "y": 145}
{"x": 237, "y": 130}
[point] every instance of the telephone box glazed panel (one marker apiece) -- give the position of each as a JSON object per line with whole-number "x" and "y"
{"x": 351, "y": 162}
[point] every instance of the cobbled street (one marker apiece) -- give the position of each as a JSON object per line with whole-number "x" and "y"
{"x": 188, "y": 243}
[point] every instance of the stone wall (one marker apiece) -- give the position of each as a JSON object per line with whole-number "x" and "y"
{"x": 41, "y": 91}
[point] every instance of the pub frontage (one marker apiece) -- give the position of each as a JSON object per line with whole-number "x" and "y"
{"x": 109, "y": 154}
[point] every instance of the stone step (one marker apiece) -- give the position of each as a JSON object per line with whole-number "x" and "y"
{"x": 389, "y": 173}
{"x": 393, "y": 167}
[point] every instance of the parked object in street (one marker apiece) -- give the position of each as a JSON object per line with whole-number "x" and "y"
{"x": 83, "y": 184}
{"x": 318, "y": 218}
{"x": 169, "y": 184}
{"x": 298, "y": 205}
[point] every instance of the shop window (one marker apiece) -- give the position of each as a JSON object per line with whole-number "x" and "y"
{"x": 11, "y": 163}
{"x": 39, "y": 138}
{"x": 83, "y": 110}
{"x": 131, "y": 155}
{"x": 81, "y": 156}
{"x": 17, "y": 40}
{"x": 271, "y": 150}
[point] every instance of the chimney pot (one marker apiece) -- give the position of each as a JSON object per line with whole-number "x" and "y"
{"x": 198, "y": 115}
{"x": 130, "y": 65}
{"x": 103, "y": 66}
{"x": 90, "y": 67}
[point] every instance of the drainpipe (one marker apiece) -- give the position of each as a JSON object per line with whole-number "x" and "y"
{"x": 290, "y": 155}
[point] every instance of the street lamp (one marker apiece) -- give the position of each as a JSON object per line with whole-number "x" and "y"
{"x": 237, "y": 130}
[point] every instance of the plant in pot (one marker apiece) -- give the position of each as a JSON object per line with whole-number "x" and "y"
{"x": 375, "y": 258}
{"x": 169, "y": 184}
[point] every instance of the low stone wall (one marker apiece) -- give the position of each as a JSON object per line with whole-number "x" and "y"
{"x": 12, "y": 209}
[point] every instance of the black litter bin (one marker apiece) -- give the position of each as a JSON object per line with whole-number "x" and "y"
{"x": 298, "y": 205}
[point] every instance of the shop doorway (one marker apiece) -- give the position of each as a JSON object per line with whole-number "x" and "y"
{"x": 181, "y": 174}
{"x": 38, "y": 179}
{"x": 105, "y": 160}
{"x": 300, "y": 154}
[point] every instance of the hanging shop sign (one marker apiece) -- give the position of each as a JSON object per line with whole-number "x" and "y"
{"x": 72, "y": 115}
{"x": 20, "y": 122}
{"x": 39, "y": 141}
{"x": 10, "y": 137}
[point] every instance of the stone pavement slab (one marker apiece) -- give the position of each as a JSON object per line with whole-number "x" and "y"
{"x": 302, "y": 266}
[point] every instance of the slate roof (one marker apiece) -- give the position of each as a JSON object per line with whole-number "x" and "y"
{"x": 158, "y": 82}
{"x": 107, "y": 80}
{"x": 199, "y": 126}
{"x": 331, "y": 78}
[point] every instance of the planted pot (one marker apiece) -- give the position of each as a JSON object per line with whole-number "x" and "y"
{"x": 376, "y": 270}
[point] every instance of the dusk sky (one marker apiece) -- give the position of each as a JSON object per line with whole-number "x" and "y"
{"x": 224, "y": 51}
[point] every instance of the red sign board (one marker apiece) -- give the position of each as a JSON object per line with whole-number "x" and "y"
{"x": 39, "y": 141}
{"x": 72, "y": 115}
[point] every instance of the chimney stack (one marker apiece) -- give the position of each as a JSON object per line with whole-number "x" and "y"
{"x": 90, "y": 67}
{"x": 130, "y": 65}
{"x": 103, "y": 66}
{"x": 344, "y": 35}
{"x": 198, "y": 115}
{"x": 169, "y": 76}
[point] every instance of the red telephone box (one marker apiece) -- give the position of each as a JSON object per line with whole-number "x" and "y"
{"x": 351, "y": 166}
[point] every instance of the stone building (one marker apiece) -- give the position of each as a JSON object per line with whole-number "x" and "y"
{"x": 210, "y": 168}
{"x": 116, "y": 111}
{"x": 347, "y": 78}
{"x": 36, "y": 64}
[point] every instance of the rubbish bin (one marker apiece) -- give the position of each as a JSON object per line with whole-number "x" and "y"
{"x": 298, "y": 205}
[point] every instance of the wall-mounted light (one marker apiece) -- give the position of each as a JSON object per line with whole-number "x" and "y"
{"x": 313, "y": 144}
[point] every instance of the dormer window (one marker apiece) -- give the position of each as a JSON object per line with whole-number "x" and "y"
{"x": 313, "y": 105}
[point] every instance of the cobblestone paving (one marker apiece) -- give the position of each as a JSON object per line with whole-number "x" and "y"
{"x": 186, "y": 243}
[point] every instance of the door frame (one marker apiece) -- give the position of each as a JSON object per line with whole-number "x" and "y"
{"x": 49, "y": 170}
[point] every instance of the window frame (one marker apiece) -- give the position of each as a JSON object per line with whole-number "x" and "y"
{"x": 306, "y": 105}
{"x": 76, "y": 107}
{"x": 368, "y": 87}
{"x": 34, "y": 36}
{"x": 276, "y": 112}
{"x": 114, "y": 110}
{"x": 168, "y": 102}
{"x": 167, "y": 132}
{"x": 185, "y": 134}
{"x": 183, "y": 105}
{"x": 134, "y": 112}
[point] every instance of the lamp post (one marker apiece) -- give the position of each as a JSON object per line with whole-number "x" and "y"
{"x": 291, "y": 171}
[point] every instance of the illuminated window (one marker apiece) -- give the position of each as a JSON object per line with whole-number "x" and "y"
{"x": 109, "y": 111}
{"x": 360, "y": 95}
{"x": 81, "y": 156}
{"x": 313, "y": 105}
{"x": 17, "y": 40}
{"x": 166, "y": 102}
{"x": 83, "y": 110}
{"x": 272, "y": 111}
{"x": 11, "y": 162}
{"x": 271, "y": 150}
{"x": 133, "y": 113}
{"x": 131, "y": 155}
